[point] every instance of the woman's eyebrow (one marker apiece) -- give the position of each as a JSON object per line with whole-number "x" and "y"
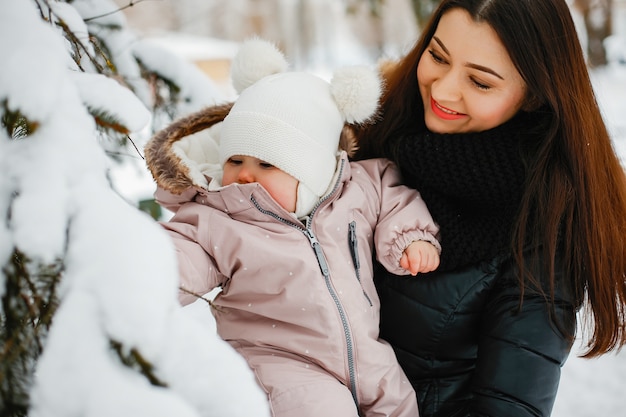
{"x": 483, "y": 69}
{"x": 469, "y": 64}
{"x": 441, "y": 45}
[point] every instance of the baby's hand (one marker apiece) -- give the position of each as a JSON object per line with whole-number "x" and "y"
{"x": 420, "y": 256}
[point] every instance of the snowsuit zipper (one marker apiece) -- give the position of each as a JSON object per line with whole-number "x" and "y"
{"x": 321, "y": 259}
{"x": 323, "y": 264}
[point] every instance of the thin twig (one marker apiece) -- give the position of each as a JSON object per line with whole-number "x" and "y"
{"x": 209, "y": 302}
{"x": 135, "y": 146}
{"x": 130, "y": 4}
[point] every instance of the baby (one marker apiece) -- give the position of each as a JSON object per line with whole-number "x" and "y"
{"x": 286, "y": 226}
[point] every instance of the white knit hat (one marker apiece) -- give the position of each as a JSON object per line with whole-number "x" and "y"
{"x": 293, "y": 120}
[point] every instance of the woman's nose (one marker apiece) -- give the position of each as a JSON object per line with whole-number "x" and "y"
{"x": 447, "y": 88}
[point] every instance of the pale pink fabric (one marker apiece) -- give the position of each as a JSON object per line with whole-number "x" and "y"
{"x": 278, "y": 310}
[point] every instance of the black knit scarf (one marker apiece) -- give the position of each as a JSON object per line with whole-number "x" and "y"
{"x": 472, "y": 184}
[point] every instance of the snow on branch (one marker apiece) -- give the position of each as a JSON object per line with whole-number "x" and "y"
{"x": 90, "y": 323}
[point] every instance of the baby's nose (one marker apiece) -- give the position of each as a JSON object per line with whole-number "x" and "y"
{"x": 245, "y": 176}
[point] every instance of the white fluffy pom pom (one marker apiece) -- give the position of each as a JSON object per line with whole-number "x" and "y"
{"x": 256, "y": 59}
{"x": 356, "y": 91}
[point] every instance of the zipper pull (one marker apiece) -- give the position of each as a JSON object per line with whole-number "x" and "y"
{"x": 354, "y": 251}
{"x": 317, "y": 249}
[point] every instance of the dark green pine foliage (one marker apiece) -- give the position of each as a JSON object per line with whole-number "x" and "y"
{"x": 29, "y": 289}
{"x": 29, "y": 301}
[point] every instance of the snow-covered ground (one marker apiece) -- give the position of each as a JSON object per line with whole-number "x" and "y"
{"x": 592, "y": 387}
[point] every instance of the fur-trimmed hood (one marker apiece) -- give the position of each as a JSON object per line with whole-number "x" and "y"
{"x": 185, "y": 154}
{"x": 177, "y": 155}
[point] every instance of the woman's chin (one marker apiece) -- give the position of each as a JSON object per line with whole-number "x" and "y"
{"x": 437, "y": 125}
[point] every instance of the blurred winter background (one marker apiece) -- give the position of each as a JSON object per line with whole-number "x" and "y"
{"x": 71, "y": 145}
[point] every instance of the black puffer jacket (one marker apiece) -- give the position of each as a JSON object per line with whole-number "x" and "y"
{"x": 467, "y": 347}
{"x": 470, "y": 344}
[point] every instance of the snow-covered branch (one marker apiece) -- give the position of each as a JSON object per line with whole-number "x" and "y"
{"x": 89, "y": 316}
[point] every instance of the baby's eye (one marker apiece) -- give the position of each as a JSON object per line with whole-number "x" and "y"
{"x": 436, "y": 57}
{"x": 234, "y": 161}
{"x": 266, "y": 165}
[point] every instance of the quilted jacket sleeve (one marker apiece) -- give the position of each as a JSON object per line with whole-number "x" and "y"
{"x": 521, "y": 350}
{"x": 402, "y": 214}
{"x": 188, "y": 230}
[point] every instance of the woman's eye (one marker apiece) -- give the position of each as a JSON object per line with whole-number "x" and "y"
{"x": 438, "y": 59}
{"x": 480, "y": 85}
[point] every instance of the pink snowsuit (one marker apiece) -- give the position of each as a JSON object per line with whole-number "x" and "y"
{"x": 298, "y": 300}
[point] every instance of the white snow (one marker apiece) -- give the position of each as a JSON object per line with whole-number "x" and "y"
{"x": 119, "y": 285}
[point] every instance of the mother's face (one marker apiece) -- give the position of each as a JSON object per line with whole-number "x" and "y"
{"x": 466, "y": 78}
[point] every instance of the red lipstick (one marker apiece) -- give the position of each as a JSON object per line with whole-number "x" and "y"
{"x": 443, "y": 112}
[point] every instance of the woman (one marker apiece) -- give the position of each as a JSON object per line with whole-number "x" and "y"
{"x": 492, "y": 117}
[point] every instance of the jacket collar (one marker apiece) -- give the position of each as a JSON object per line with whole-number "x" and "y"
{"x": 236, "y": 198}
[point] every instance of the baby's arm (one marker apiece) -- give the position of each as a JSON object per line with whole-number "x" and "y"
{"x": 191, "y": 235}
{"x": 420, "y": 256}
{"x": 402, "y": 218}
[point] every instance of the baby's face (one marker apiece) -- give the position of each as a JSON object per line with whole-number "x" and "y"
{"x": 246, "y": 169}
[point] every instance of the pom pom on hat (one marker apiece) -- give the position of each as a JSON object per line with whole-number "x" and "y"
{"x": 293, "y": 120}
{"x": 356, "y": 90}
{"x": 255, "y": 59}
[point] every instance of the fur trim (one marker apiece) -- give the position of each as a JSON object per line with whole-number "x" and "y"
{"x": 167, "y": 168}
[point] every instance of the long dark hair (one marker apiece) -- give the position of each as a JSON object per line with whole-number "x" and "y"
{"x": 575, "y": 195}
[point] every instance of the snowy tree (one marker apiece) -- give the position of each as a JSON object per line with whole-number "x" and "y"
{"x": 90, "y": 324}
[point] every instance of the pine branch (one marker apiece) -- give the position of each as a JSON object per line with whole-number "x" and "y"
{"x": 107, "y": 121}
{"x": 15, "y": 124}
{"x": 135, "y": 360}
{"x": 28, "y": 306}
{"x": 78, "y": 47}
